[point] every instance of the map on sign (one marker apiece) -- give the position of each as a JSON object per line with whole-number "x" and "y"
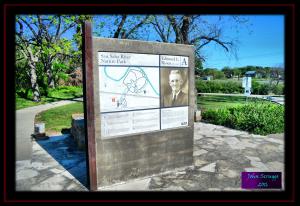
{"x": 128, "y": 88}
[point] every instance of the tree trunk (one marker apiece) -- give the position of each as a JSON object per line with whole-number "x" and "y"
{"x": 51, "y": 82}
{"x": 34, "y": 84}
{"x": 120, "y": 26}
{"x": 185, "y": 29}
{"x": 32, "y": 59}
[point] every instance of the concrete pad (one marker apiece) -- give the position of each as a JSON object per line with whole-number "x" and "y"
{"x": 54, "y": 183}
{"x": 254, "y": 169}
{"x": 275, "y": 166}
{"x": 173, "y": 188}
{"x": 200, "y": 152}
{"x": 218, "y": 167}
{"x": 252, "y": 158}
{"x": 208, "y": 146}
{"x": 198, "y": 136}
{"x": 214, "y": 189}
{"x": 259, "y": 165}
{"x": 22, "y": 164}
{"x": 40, "y": 165}
{"x": 56, "y": 170}
{"x": 209, "y": 168}
{"x": 135, "y": 185}
{"x": 26, "y": 174}
{"x": 234, "y": 143}
{"x": 248, "y": 143}
{"x": 231, "y": 174}
{"x": 199, "y": 162}
{"x": 74, "y": 186}
{"x": 278, "y": 141}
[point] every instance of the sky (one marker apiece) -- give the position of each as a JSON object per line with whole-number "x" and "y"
{"x": 261, "y": 44}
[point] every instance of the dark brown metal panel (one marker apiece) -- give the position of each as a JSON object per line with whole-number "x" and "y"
{"x": 89, "y": 113}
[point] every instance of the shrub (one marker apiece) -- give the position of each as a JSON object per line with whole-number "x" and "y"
{"x": 259, "y": 117}
{"x": 229, "y": 87}
{"x": 218, "y": 86}
{"x": 66, "y": 92}
{"x": 262, "y": 89}
{"x": 278, "y": 89}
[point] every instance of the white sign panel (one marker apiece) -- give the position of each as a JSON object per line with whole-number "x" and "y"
{"x": 122, "y": 123}
{"x": 246, "y": 82}
{"x": 247, "y": 91}
{"x": 128, "y": 88}
{"x": 174, "y": 117}
{"x": 129, "y": 85}
{"x": 127, "y": 59}
{"x": 174, "y": 61}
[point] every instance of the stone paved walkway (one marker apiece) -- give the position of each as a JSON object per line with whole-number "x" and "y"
{"x": 220, "y": 155}
{"x": 45, "y": 172}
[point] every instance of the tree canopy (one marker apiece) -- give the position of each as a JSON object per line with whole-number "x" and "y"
{"x": 48, "y": 47}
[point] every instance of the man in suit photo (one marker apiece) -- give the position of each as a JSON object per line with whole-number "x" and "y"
{"x": 177, "y": 97}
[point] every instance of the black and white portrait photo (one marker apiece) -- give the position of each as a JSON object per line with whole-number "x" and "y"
{"x": 174, "y": 87}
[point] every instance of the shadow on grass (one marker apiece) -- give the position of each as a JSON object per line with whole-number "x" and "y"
{"x": 64, "y": 150}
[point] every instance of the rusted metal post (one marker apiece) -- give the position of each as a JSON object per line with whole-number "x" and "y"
{"x": 89, "y": 114}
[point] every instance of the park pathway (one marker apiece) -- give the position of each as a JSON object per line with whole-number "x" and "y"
{"x": 220, "y": 155}
{"x": 25, "y": 127}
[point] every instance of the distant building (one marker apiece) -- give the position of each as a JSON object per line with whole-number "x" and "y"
{"x": 250, "y": 74}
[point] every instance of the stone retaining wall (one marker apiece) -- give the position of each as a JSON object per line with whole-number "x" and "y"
{"x": 78, "y": 130}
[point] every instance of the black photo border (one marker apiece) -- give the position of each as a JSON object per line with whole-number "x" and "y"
{"x": 10, "y": 9}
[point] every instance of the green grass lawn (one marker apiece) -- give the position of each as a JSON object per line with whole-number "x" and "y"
{"x": 22, "y": 103}
{"x": 215, "y": 102}
{"x": 57, "y": 94}
{"x": 59, "y": 118}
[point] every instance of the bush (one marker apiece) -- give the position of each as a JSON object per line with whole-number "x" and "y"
{"x": 66, "y": 92}
{"x": 278, "y": 89}
{"x": 229, "y": 87}
{"x": 218, "y": 86}
{"x": 259, "y": 118}
{"x": 262, "y": 89}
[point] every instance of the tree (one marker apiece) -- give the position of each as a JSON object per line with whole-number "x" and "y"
{"x": 237, "y": 72}
{"x": 195, "y": 30}
{"x": 42, "y": 39}
{"x": 228, "y": 72}
{"x": 50, "y": 53}
{"x": 31, "y": 58}
{"x": 162, "y": 27}
{"x": 198, "y": 67}
{"x": 126, "y": 31}
{"x": 275, "y": 76}
{"x": 181, "y": 29}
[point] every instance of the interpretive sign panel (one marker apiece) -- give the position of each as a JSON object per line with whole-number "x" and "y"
{"x": 139, "y": 108}
{"x": 128, "y": 88}
{"x": 246, "y": 83}
{"x": 127, "y": 59}
{"x": 129, "y": 83}
{"x": 173, "y": 61}
{"x": 174, "y": 117}
{"x": 120, "y": 123}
